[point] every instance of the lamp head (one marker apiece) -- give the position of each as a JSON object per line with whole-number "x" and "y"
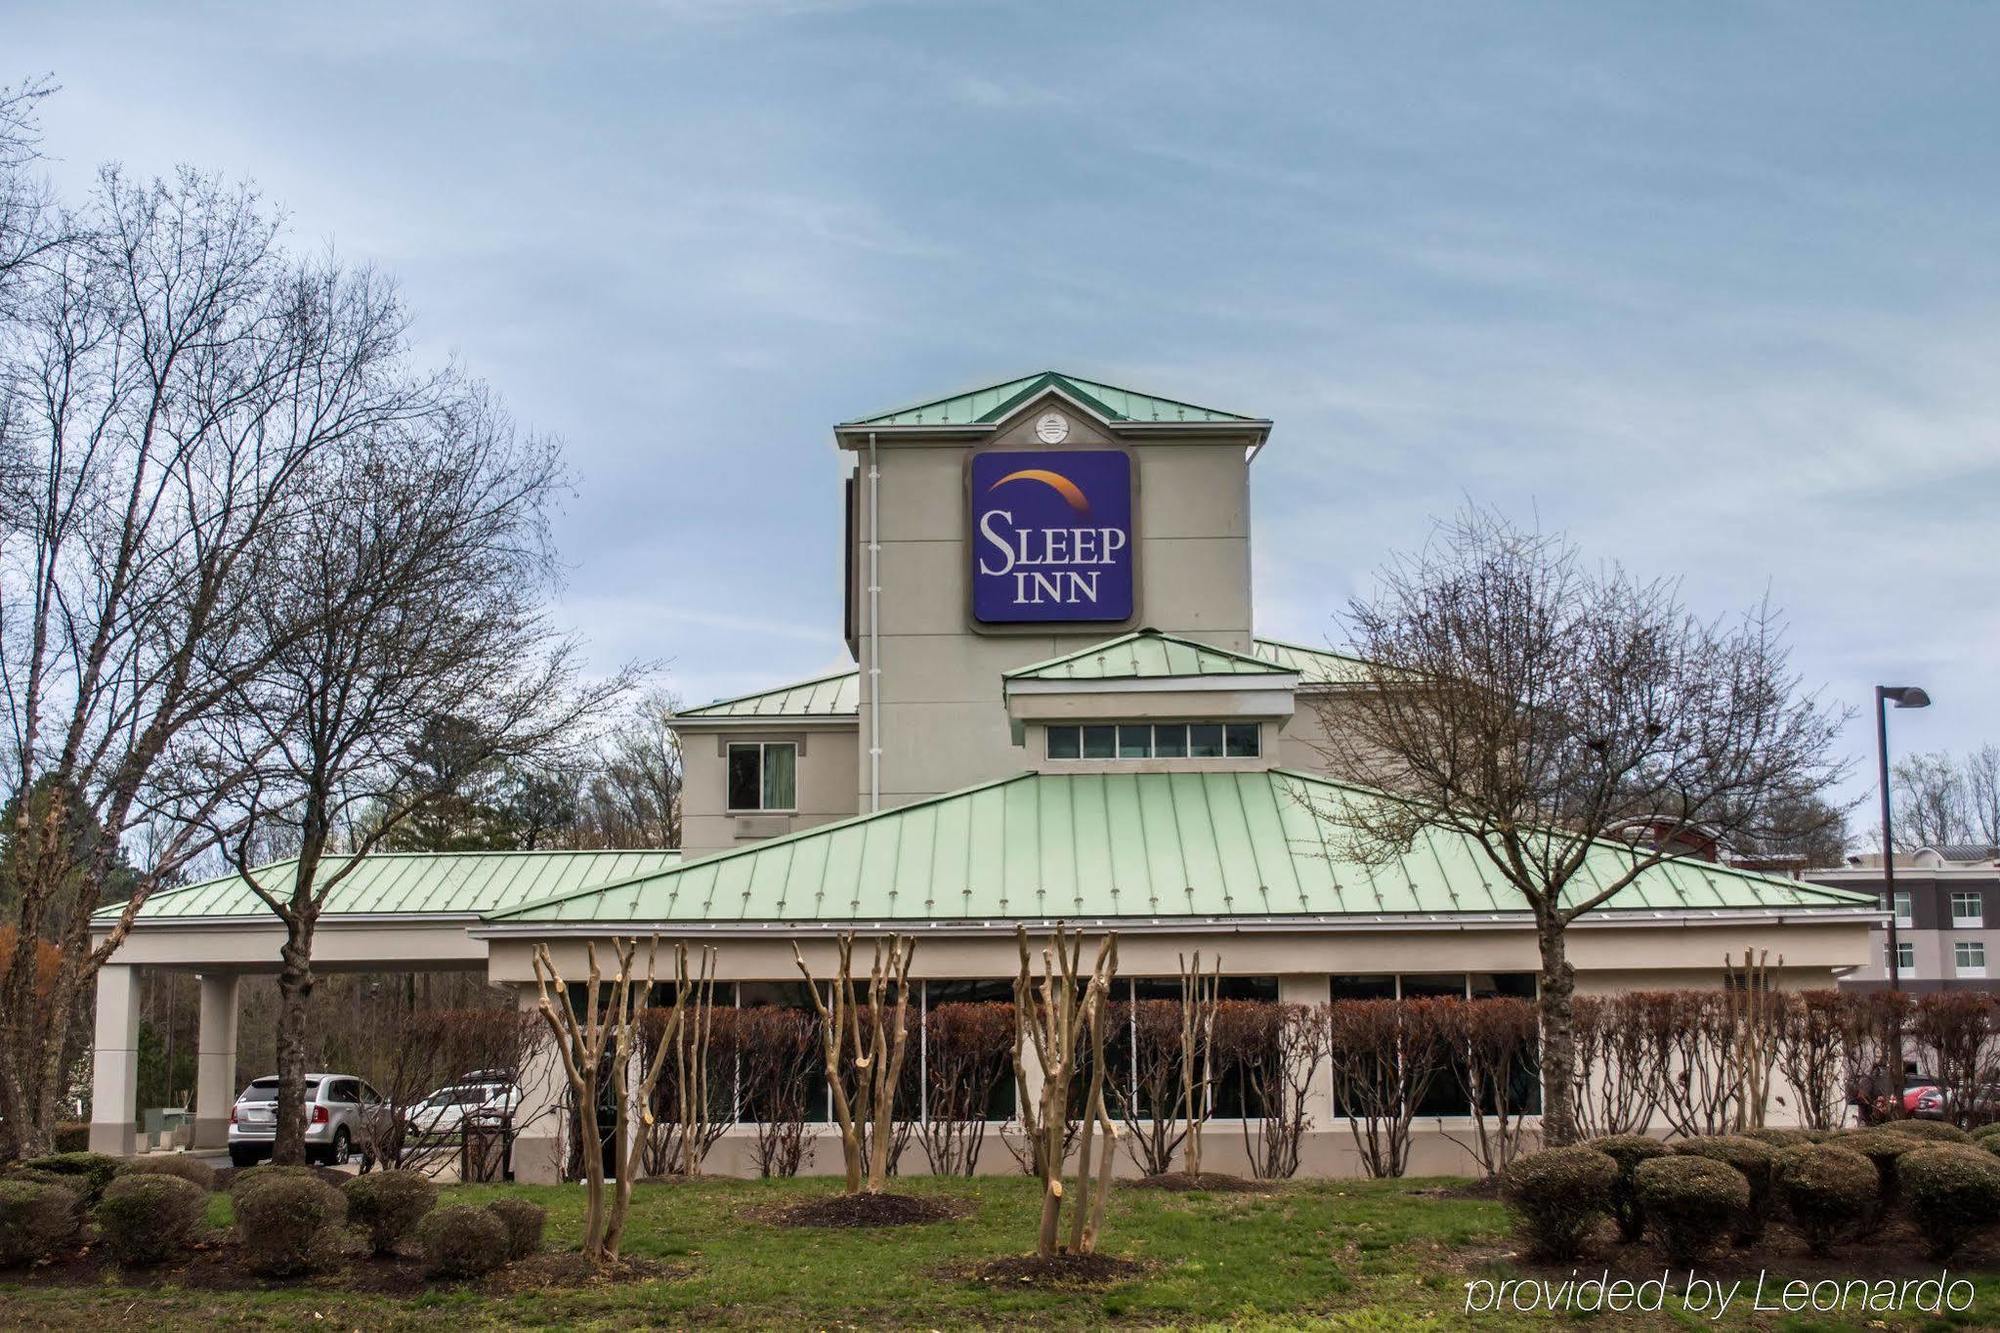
{"x": 1906, "y": 696}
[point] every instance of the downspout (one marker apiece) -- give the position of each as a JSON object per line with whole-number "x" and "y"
{"x": 874, "y": 630}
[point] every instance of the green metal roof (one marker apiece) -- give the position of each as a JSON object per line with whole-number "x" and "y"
{"x": 1316, "y": 666}
{"x": 1115, "y": 845}
{"x": 1146, "y": 654}
{"x": 836, "y": 695}
{"x": 985, "y": 406}
{"x": 839, "y": 694}
{"x": 414, "y": 883}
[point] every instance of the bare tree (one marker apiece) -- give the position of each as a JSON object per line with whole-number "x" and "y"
{"x": 968, "y": 1050}
{"x": 1060, "y": 1016}
{"x": 1941, "y": 801}
{"x": 170, "y": 376}
{"x": 1811, "y": 1025}
{"x": 32, "y": 227}
{"x": 1492, "y": 1042}
{"x": 1930, "y": 800}
{"x": 632, "y": 790}
{"x": 411, "y": 589}
{"x": 865, "y": 1069}
{"x": 1536, "y": 705}
{"x": 1199, "y": 995}
{"x": 1614, "y": 1086}
{"x": 601, "y": 1037}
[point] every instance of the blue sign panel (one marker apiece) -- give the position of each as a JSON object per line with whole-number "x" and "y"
{"x": 1051, "y": 536}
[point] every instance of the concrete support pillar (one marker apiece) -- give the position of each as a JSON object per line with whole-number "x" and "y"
{"x": 215, "y": 1060}
{"x": 1312, "y": 988}
{"x": 114, "y": 1081}
{"x": 541, "y": 1129}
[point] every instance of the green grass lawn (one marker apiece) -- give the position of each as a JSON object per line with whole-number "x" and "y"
{"x": 1351, "y": 1255}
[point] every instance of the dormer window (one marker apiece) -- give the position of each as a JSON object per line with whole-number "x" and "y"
{"x": 1155, "y": 740}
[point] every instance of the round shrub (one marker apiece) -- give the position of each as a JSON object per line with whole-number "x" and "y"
{"x": 1778, "y": 1137}
{"x": 37, "y": 1218}
{"x": 1828, "y": 1191}
{"x": 524, "y": 1222}
{"x": 1882, "y": 1149}
{"x": 179, "y": 1165}
{"x": 1934, "y": 1131}
{"x": 1985, "y": 1132}
{"x": 1952, "y": 1191}
{"x": 1558, "y": 1197}
{"x": 389, "y": 1204}
{"x": 94, "y": 1168}
{"x": 462, "y": 1241}
{"x": 279, "y": 1218}
{"x": 146, "y": 1217}
{"x": 1628, "y": 1150}
{"x": 1752, "y": 1159}
{"x": 1690, "y": 1202}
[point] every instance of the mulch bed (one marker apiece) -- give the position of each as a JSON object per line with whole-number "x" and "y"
{"x": 1063, "y": 1270}
{"x": 1211, "y": 1182}
{"x": 866, "y": 1210}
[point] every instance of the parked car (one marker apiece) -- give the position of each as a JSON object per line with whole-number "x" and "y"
{"x": 341, "y": 1113}
{"x": 1940, "y": 1104}
{"x": 479, "y": 1095}
{"x": 1871, "y": 1098}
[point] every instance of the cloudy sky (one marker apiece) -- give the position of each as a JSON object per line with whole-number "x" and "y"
{"x": 1711, "y": 287}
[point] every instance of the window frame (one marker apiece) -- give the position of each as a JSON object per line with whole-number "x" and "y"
{"x": 1078, "y": 741}
{"x": 1977, "y": 919}
{"x": 1904, "y": 909}
{"x": 763, "y": 771}
{"x": 1905, "y": 950}
{"x": 1963, "y": 952}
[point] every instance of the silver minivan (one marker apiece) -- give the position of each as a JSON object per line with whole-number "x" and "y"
{"x": 341, "y": 1112}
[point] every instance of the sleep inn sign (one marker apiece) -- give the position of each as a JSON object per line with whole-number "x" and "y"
{"x": 1052, "y": 536}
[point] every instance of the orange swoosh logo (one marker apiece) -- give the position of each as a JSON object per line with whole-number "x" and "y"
{"x": 1062, "y": 486}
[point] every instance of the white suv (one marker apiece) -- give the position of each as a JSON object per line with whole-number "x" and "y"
{"x": 340, "y": 1109}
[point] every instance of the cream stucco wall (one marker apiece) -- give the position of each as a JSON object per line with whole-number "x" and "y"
{"x": 825, "y": 784}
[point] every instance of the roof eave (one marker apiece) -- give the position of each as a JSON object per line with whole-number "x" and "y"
{"x": 1604, "y": 918}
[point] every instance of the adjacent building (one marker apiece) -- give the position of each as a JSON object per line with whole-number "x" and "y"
{"x": 1947, "y": 914}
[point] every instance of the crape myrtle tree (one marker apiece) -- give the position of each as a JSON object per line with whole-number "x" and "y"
{"x": 169, "y": 378}
{"x": 412, "y": 588}
{"x": 1541, "y": 706}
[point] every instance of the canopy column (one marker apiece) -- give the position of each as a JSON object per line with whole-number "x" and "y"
{"x": 1312, "y": 988}
{"x": 215, "y": 1060}
{"x": 114, "y": 1084}
{"x": 540, "y": 1128}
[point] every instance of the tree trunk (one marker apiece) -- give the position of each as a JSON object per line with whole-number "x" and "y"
{"x": 295, "y": 986}
{"x": 1558, "y": 1034}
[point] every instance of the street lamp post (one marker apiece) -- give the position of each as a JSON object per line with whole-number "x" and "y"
{"x": 1904, "y": 696}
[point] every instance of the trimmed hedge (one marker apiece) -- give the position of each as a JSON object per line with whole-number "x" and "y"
{"x": 1559, "y": 1196}
{"x": 93, "y": 1168}
{"x": 1753, "y": 1159}
{"x": 463, "y": 1241}
{"x": 1628, "y": 1150}
{"x": 279, "y": 1218}
{"x": 1777, "y": 1136}
{"x": 37, "y": 1219}
{"x": 389, "y": 1204}
{"x": 1935, "y": 1131}
{"x": 179, "y": 1165}
{"x": 73, "y": 1136}
{"x": 147, "y": 1216}
{"x": 1985, "y": 1132}
{"x": 1691, "y": 1203}
{"x": 1827, "y": 1190}
{"x": 524, "y": 1222}
{"x": 1952, "y": 1192}
{"x": 1882, "y": 1149}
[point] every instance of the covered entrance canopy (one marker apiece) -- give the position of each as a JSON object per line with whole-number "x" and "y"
{"x": 395, "y": 912}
